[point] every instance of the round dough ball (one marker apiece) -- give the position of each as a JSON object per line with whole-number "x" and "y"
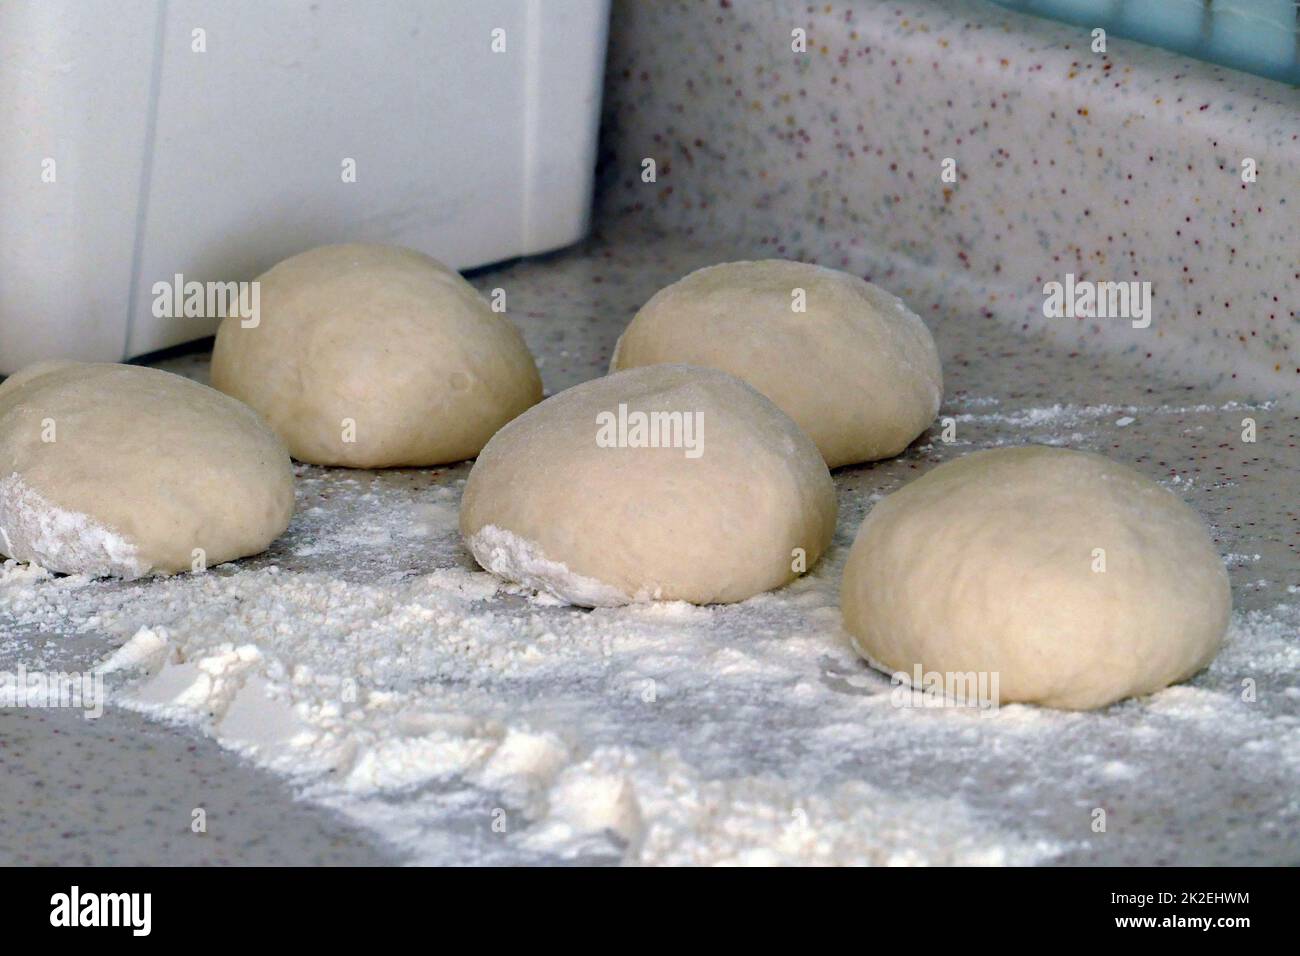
{"x": 575, "y": 499}
{"x": 858, "y": 371}
{"x": 375, "y": 356}
{"x": 1075, "y": 579}
{"x": 120, "y": 470}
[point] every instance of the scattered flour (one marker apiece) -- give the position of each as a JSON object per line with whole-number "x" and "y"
{"x": 656, "y": 733}
{"x": 1048, "y": 422}
{"x": 463, "y": 721}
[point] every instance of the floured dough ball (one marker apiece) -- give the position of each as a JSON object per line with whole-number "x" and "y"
{"x": 120, "y": 470}
{"x": 850, "y": 363}
{"x": 662, "y": 483}
{"x": 375, "y": 356}
{"x": 1074, "y": 579}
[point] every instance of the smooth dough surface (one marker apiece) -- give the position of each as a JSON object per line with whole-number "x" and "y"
{"x": 549, "y": 506}
{"x": 144, "y": 467}
{"x": 858, "y": 370}
{"x": 989, "y": 563}
{"x": 375, "y": 356}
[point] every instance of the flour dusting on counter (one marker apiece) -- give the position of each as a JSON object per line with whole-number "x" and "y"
{"x": 464, "y": 720}
{"x": 580, "y": 733}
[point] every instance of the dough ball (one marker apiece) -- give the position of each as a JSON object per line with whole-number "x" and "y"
{"x": 120, "y": 470}
{"x": 662, "y": 483}
{"x": 1075, "y": 579}
{"x": 858, "y": 371}
{"x": 374, "y": 356}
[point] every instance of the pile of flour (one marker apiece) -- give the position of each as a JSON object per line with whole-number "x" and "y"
{"x": 370, "y": 663}
{"x": 578, "y": 735}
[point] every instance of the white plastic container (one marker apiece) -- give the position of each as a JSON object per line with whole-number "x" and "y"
{"x": 213, "y": 139}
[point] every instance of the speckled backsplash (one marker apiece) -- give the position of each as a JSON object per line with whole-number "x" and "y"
{"x": 1116, "y": 166}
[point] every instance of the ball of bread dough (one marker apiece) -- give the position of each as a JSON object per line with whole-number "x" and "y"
{"x": 120, "y": 470}
{"x": 1073, "y": 578}
{"x": 662, "y": 483}
{"x": 857, "y": 370}
{"x": 375, "y": 356}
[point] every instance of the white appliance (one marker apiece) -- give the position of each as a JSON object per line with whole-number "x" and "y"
{"x": 140, "y": 139}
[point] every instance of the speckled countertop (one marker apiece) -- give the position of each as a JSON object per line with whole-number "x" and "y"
{"x": 759, "y": 157}
{"x": 1114, "y": 166}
